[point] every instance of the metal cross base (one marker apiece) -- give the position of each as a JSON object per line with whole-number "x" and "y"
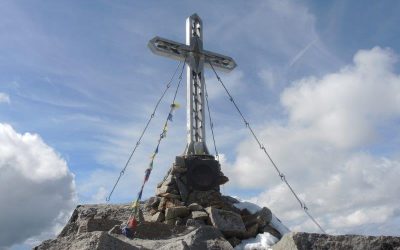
{"x": 202, "y": 172}
{"x": 195, "y": 57}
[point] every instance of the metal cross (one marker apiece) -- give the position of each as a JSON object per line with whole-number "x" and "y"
{"x": 195, "y": 57}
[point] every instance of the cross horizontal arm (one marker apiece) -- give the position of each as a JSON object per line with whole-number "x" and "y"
{"x": 224, "y": 63}
{"x": 178, "y": 51}
{"x": 164, "y": 47}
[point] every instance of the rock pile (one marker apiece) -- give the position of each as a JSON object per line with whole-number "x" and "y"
{"x": 178, "y": 202}
{"x": 193, "y": 227}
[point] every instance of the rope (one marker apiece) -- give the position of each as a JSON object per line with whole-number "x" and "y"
{"x": 143, "y": 132}
{"x": 281, "y": 175}
{"x": 173, "y": 106}
{"x": 211, "y": 123}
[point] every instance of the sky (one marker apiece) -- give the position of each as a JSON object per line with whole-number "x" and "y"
{"x": 319, "y": 81}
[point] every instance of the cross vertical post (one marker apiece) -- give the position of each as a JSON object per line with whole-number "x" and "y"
{"x": 195, "y": 88}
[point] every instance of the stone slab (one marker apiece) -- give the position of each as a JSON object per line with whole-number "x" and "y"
{"x": 174, "y": 212}
{"x": 195, "y": 207}
{"x": 199, "y": 215}
{"x": 306, "y": 241}
{"x": 158, "y": 217}
{"x": 229, "y": 223}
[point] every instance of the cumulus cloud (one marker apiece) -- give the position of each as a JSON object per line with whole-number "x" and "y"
{"x": 327, "y": 149}
{"x": 37, "y": 189}
{"x": 344, "y": 108}
{"x": 4, "y": 98}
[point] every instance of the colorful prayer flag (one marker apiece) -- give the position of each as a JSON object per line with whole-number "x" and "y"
{"x": 135, "y": 204}
{"x": 140, "y": 194}
{"x": 147, "y": 175}
{"x": 175, "y": 105}
{"x": 170, "y": 117}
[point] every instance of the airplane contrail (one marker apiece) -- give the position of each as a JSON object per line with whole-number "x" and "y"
{"x": 301, "y": 53}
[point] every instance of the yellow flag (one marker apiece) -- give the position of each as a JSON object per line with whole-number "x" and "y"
{"x": 135, "y": 204}
{"x": 175, "y": 105}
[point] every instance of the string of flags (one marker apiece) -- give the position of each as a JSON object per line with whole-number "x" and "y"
{"x": 130, "y": 228}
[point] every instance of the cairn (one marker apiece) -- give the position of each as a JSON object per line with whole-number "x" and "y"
{"x": 190, "y": 196}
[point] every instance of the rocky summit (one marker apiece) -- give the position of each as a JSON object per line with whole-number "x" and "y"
{"x": 99, "y": 227}
{"x": 181, "y": 227}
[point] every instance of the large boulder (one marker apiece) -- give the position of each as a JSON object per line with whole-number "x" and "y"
{"x": 90, "y": 218}
{"x": 204, "y": 237}
{"x": 174, "y": 212}
{"x": 229, "y": 223}
{"x": 311, "y": 241}
{"x": 86, "y": 241}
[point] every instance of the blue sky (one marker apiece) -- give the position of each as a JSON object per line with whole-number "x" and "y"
{"x": 80, "y": 76}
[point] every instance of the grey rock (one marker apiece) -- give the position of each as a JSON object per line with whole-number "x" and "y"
{"x": 269, "y": 229}
{"x": 82, "y": 219}
{"x": 180, "y": 161}
{"x": 178, "y": 245}
{"x": 249, "y": 220}
{"x": 169, "y": 180}
{"x": 153, "y": 202}
{"x": 206, "y": 198}
{"x": 183, "y": 178}
{"x": 194, "y": 223}
{"x": 170, "y": 195}
{"x": 86, "y": 241}
{"x": 173, "y": 203}
{"x": 199, "y": 215}
{"x": 179, "y": 222}
{"x": 164, "y": 189}
{"x": 229, "y": 223}
{"x": 171, "y": 222}
{"x": 183, "y": 191}
{"x": 264, "y": 216}
{"x": 251, "y": 231}
{"x": 174, "y": 212}
{"x": 176, "y": 169}
{"x": 195, "y": 207}
{"x": 149, "y": 236}
{"x": 161, "y": 205}
{"x": 230, "y": 199}
{"x": 158, "y": 217}
{"x": 222, "y": 179}
{"x": 101, "y": 224}
{"x": 311, "y": 241}
{"x": 234, "y": 241}
{"x": 115, "y": 230}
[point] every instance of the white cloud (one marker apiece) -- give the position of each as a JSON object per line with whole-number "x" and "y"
{"x": 344, "y": 108}
{"x": 36, "y": 187}
{"x": 4, "y": 98}
{"x": 324, "y": 150}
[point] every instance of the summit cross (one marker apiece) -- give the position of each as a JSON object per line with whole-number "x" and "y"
{"x": 193, "y": 54}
